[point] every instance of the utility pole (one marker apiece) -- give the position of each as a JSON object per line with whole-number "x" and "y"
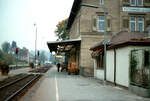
{"x": 35, "y": 42}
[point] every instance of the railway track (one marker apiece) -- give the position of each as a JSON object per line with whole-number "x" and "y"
{"x": 41, "y": 70}
{"x": 10, "y": 90}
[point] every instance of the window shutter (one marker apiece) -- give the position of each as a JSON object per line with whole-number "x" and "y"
{"x": 94, "y": 23}
{"x": 125, "y": 23}
{"x": 126, "y": 2}
{"x": 108, "y": 25}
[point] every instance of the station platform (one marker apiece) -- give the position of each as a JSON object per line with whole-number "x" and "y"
{"x": 59, "y": 86}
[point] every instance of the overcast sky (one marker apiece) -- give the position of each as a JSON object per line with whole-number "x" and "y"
{"x": 17, "y": 18}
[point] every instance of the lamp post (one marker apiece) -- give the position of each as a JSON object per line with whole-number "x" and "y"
{"x": 35, "y": 42}
{"x": 94, "y": 6}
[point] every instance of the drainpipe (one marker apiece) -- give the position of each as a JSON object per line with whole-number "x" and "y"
{"x": 115, "y": 66}
{"x": 149, "y": 78}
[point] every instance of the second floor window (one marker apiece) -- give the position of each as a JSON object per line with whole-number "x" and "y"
{"x": 141, "y": 24}
{"x": 136, "y": 2}
{"x": 140, "y": 2}
{"x": 137, "y": 24}
{"x": 101, "y": 23}
{"x": 101, "y": 2}
{"x": 133, "y": 2}
{"x": 133, "y": 23}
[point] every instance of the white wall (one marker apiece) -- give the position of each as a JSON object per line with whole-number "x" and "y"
{"x": 122, "y": 66}
{"x": 98, "y": 73}
{"x": 110, "y": 65}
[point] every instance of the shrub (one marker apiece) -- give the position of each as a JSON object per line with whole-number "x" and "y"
{"x": 31, "y": 64}
{"x": 4, "y": 67}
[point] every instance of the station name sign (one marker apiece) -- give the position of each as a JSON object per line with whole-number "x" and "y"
{"x": 134, "y": 9}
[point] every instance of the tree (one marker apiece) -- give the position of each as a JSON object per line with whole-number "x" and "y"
{"x": 14, "y": 44}
{"x": 1, "y": 55}
{"x": 6, "y": 47}
{"x": 9, "y": 58}
{"x": 61, "y": 31}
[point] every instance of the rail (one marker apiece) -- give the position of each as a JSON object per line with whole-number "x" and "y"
{"x": 22, "y": 88}
{"x": 13, "y": 92}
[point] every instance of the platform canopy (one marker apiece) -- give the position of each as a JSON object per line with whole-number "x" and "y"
{"x": 63, "y": 46}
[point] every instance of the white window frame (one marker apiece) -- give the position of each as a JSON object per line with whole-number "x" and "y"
{"x": 138, "y": 3}
{"x": 132, "y": 4}
{"x": 131, "y": 23}
{"x": 141, "y": 22}
{"x": 101, "y": 2}
{"x": 99, "y": 20}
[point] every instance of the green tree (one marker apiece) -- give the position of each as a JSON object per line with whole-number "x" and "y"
{"x": 1, "y": 55}
{"x": 61, "y": 31}
{"x": 6, "y": 47}
{"x": 14, "y": 44}
{"x": 9, "y": 58}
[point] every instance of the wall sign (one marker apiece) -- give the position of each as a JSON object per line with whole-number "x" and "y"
{"x": 134, "y": 9}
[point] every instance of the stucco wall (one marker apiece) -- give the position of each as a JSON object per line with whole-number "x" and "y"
{"x": 122, "y": 64}
{"x": 100, "y": 74}
{"x": 110, "y": 66}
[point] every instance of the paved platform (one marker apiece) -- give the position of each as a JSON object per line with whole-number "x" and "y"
{"x": 56, "y": 86}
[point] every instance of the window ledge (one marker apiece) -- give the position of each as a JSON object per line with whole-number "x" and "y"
{"x": 100, "y": 69}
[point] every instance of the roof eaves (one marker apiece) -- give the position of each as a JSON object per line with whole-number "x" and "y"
{"x": 73, "y": 13}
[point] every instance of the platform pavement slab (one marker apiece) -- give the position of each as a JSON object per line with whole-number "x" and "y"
{"x": 56, "y": 86}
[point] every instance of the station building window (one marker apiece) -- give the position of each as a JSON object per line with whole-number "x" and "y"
{"x": 101, "y": 2}
{"x": 137, "y": 24}
{"x": 133, "y": 2}
{"x": 101, "y": 23}
{"x": 100, "y": 61}
{"x": 133, "y": 23}
{"x": 141, "y": 24}
{"x": 140, "y": 2}
{"x": 136, "y": 2}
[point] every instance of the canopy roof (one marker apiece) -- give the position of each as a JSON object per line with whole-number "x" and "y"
{"x": 63, "y": 46}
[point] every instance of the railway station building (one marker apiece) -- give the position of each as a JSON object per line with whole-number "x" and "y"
{"x": 86, "y": 27}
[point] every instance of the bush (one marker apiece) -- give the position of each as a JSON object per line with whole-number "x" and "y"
{"x": 7, "y": 57}
{"x": 31, "y": 64}
{"x": 4, "y": 67}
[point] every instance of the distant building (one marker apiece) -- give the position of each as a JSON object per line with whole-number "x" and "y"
{"x": 23, "y": 55}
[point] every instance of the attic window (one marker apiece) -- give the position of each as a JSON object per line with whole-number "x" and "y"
{"x": 133, "y": 2}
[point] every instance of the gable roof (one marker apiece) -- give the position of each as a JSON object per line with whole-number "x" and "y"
{"x": 73, "y": 13}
